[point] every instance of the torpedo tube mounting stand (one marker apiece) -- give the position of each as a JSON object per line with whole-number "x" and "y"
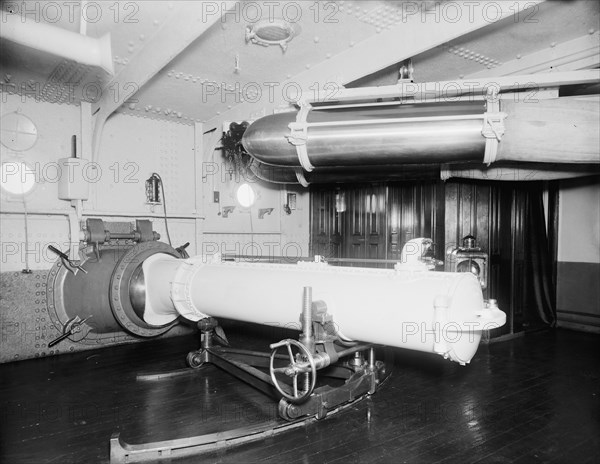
{"x": 292, "y": 379}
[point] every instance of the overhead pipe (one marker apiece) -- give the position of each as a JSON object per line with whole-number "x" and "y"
{"x": 562, "y": 130}
{"x": 520, "y": 172}
{"x": 332, "y": 175}
{"x": 57, "y": 41}
{"x": 420, "y": 172}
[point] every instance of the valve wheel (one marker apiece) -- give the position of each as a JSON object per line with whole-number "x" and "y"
{"x": 303, "y": 363}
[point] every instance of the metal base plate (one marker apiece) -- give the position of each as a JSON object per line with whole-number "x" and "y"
{"x": 123, "y": 452}
{"x": 358, "y": 385}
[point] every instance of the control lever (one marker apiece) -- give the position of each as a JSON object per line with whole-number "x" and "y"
{"x": 76, "y": 324}
{"x": 181, "y": 250}
{"x": 66, "y": 258}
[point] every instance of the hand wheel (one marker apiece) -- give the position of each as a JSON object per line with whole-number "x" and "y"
{"x": 302, "y": 363}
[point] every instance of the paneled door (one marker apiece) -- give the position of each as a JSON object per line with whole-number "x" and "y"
{"x": 364, "y": 235}
{"x": 374, "y": 221}
{"x": 326, "y": 229}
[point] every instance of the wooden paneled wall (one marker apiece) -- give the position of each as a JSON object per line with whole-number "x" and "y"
{"x": 375, "y": 220}
{"x": 495, "y": 214}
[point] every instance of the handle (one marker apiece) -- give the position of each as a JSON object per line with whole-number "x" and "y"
{"x": 76, "y": 324}
{"x": 56, "y": 341}
{"x": 73, "y": 146}
{"x": 65, "y": 257}
{"x": 58, "y": 252}
{"x": 181, "y": 250}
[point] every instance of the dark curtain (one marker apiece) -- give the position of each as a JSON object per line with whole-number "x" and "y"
{"x": 541, "y": 305}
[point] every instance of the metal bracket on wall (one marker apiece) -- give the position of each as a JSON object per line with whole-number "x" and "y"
{"x": 143, "y": 229}
{"x": 95, "y": 234}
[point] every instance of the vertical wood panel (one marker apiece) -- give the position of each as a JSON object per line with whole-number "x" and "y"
{"x": 451, "y": 208}
{"x": 412, "y": 213}
{"x": 366, "y": 235}
{"x": 379, "y": 219}
{"x": 325, "y": 233}
{"x": 494, "y": 245}
{"x": 439, "y": 220}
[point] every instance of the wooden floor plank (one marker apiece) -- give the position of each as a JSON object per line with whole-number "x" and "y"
{"x": 533, "y": 399}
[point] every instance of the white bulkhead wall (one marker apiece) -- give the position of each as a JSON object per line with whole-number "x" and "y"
{"x": 131, "y": 149}
{"x": 243, "y": 231}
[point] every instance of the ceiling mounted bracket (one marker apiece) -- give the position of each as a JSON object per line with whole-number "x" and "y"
{"x": 493, "y": 126}
{"x": 299, "y": 135}
{"x": 405, "y": 73}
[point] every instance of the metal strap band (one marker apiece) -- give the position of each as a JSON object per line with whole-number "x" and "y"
{"x": 493, "y": 129}
{"x": 299, "y": 136}
{"x": 300, "y": 176}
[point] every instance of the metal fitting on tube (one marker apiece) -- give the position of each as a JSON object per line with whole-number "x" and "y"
{"x": 306, "y": 338}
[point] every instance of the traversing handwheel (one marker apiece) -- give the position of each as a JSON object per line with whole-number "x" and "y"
{"x": 302, "y": 363}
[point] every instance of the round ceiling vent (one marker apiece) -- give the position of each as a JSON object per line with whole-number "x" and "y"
{"x": 272, "y": 32}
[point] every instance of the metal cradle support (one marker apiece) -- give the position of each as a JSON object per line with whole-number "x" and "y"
{"x": 292, "y": 367}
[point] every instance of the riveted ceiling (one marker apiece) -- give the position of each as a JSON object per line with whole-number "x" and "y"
{"x": 221, "y": 69}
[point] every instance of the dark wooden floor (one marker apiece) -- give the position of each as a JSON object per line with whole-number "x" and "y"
{"x": 532, "y": 399}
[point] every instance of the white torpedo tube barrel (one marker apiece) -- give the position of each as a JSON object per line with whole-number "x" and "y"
{"x": 407, "y": 307}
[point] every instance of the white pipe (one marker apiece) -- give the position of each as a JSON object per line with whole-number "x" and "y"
{"x": 58, "y": 41}
{"x": 512, "y": 174}
{"x": 393, "y": 307}
{"x": 133, "y": 215}
{"x": 432, "y": 91}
